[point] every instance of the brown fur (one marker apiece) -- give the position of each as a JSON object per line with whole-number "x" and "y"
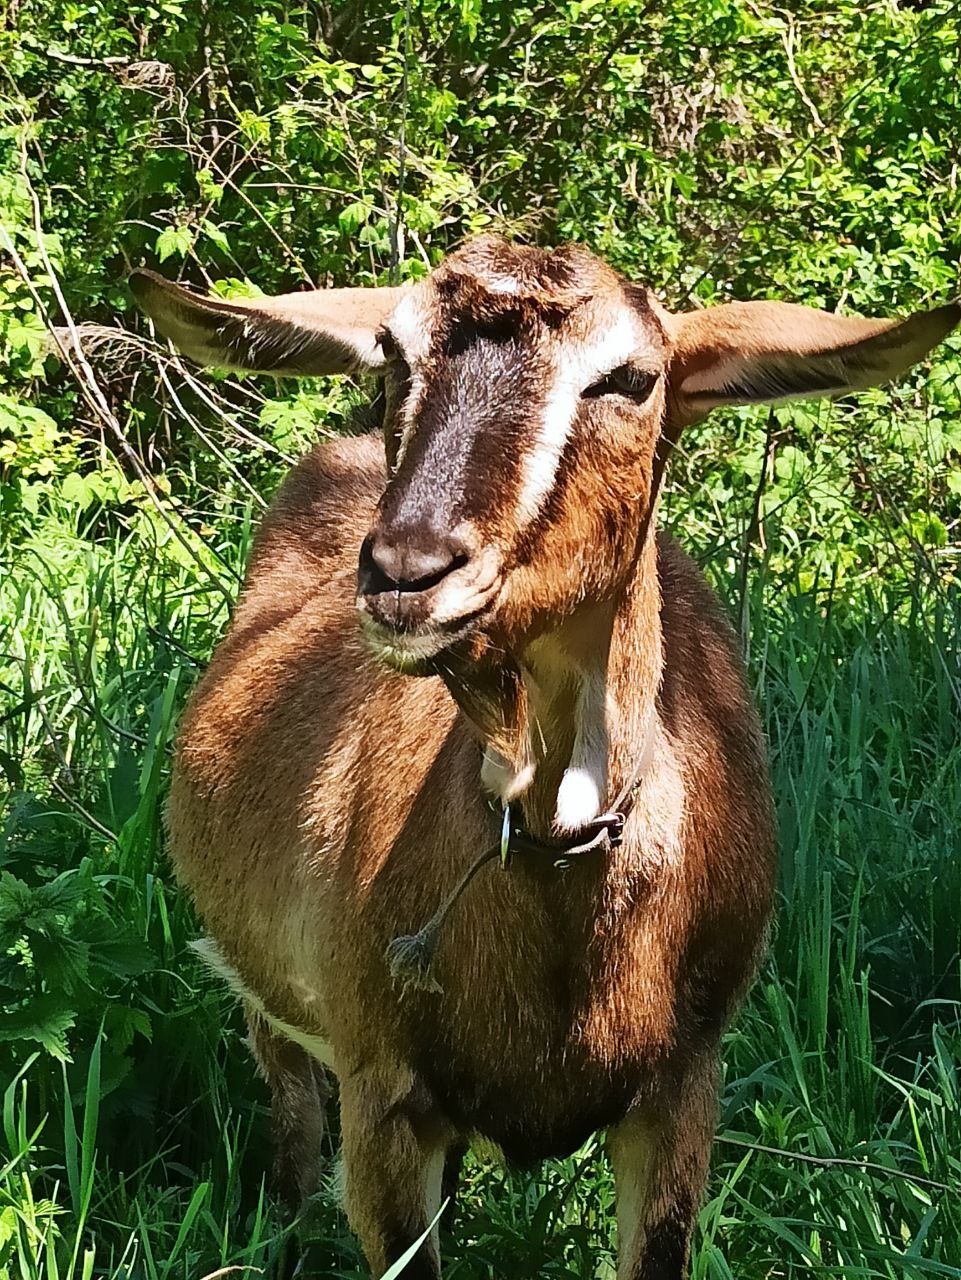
{"x": 299, "y": 1092}
{"x": 321, "y": 804}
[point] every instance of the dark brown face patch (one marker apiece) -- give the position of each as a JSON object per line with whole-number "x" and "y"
{"x": 473, "y": 418}
{"x": 491, "y": 324}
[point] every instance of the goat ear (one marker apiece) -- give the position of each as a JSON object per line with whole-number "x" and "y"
{"x": 757, "y": 352}
{"x": 319, "y": 331}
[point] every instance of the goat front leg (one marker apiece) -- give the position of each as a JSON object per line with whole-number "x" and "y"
{"x": 394, "y": 1150}
{"x": 660, "y": 1154}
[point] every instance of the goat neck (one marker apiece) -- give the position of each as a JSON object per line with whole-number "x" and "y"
{"x": 567, "y": 718}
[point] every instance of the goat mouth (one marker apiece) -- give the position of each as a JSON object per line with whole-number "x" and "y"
{"x": 413, "y": 647}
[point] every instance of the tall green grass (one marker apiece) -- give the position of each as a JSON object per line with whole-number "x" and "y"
{"x": 134, "y": 1129}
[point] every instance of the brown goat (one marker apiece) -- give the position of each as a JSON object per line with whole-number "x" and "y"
{"x": 323, "y": 802}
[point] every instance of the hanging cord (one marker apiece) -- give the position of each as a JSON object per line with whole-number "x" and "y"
{"x": 395, "y": 226}
{"x": 410, "y": 957}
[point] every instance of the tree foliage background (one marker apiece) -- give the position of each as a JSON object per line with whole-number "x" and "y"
{"x": 711, "y": 148}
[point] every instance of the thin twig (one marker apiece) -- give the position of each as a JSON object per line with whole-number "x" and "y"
{"x": 519, "y": 33}
{"x": 764, "y": 200}
{"x": 571, "y": 108}
{"x": 395, "y": 226}
{"x": 87, "y": 816}
{"x": 844, "y": 1162}
{"x": 75, "y": 60}
{"x": 208, "y": 442}
{"x": 204, "y": 393}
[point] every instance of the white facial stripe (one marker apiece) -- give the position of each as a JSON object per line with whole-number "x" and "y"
{"x": 577, "y": 369}
{"x": 540, "y": 465}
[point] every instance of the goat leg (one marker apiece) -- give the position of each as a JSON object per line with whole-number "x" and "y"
{"x": 660, "y": 1153}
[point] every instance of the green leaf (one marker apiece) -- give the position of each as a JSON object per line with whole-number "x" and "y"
{"x": 45, "y": 1019}
{"x": 174, "y": 241}
{"x": 354, "y": 215}
{"x": 214, "y": 233}
{"x": 393, "y": 1272}
{"x": 76, "y": 490}
{"x": 125, "y": 957}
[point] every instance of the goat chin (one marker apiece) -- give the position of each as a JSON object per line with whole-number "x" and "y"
{"x": 409, "y": 653}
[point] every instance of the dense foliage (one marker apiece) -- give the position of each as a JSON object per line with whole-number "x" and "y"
{"x": 712, "y": 148}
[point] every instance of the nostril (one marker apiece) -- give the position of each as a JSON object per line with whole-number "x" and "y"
{"x": 386, "y": 565}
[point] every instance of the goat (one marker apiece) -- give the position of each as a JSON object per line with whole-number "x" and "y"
{"x": 500, "y": 543}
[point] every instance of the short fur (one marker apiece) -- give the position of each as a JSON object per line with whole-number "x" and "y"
{"x": 321, "y": 804}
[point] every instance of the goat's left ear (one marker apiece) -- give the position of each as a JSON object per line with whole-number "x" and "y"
{"x": 757, "y": 352}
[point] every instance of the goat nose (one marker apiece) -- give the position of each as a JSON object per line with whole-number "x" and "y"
{"x": 404, "y": 562}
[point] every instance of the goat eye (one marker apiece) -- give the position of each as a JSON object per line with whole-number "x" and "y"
{"x": 635, "y": 384}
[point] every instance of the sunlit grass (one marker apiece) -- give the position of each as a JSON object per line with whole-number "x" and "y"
{"x": 146, "y": 1153}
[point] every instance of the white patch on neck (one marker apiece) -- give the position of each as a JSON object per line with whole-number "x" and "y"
{"x": 500, "y": 779}
{"x": 579, "y": 799}
{"x": 577, "y": 369}
{"x": 582, "y": 794}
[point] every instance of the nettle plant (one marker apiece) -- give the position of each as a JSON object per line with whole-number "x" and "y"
{"x": 62, "y": 952}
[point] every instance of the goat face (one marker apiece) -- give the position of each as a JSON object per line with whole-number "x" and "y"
{"x": 525, "y": 392}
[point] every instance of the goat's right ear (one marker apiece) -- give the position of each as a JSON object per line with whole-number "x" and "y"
{"x": 318, "y": 331}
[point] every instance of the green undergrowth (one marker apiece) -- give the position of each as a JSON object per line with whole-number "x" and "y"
{"x": 134, "y": 1126}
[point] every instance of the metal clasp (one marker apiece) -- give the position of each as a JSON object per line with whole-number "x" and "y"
{"x": 615, "y": 829}
{"x": 506, "y": 837}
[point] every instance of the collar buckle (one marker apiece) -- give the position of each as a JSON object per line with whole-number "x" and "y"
{"x": 615, "y": 828}
{"x": 604, "y": 831}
